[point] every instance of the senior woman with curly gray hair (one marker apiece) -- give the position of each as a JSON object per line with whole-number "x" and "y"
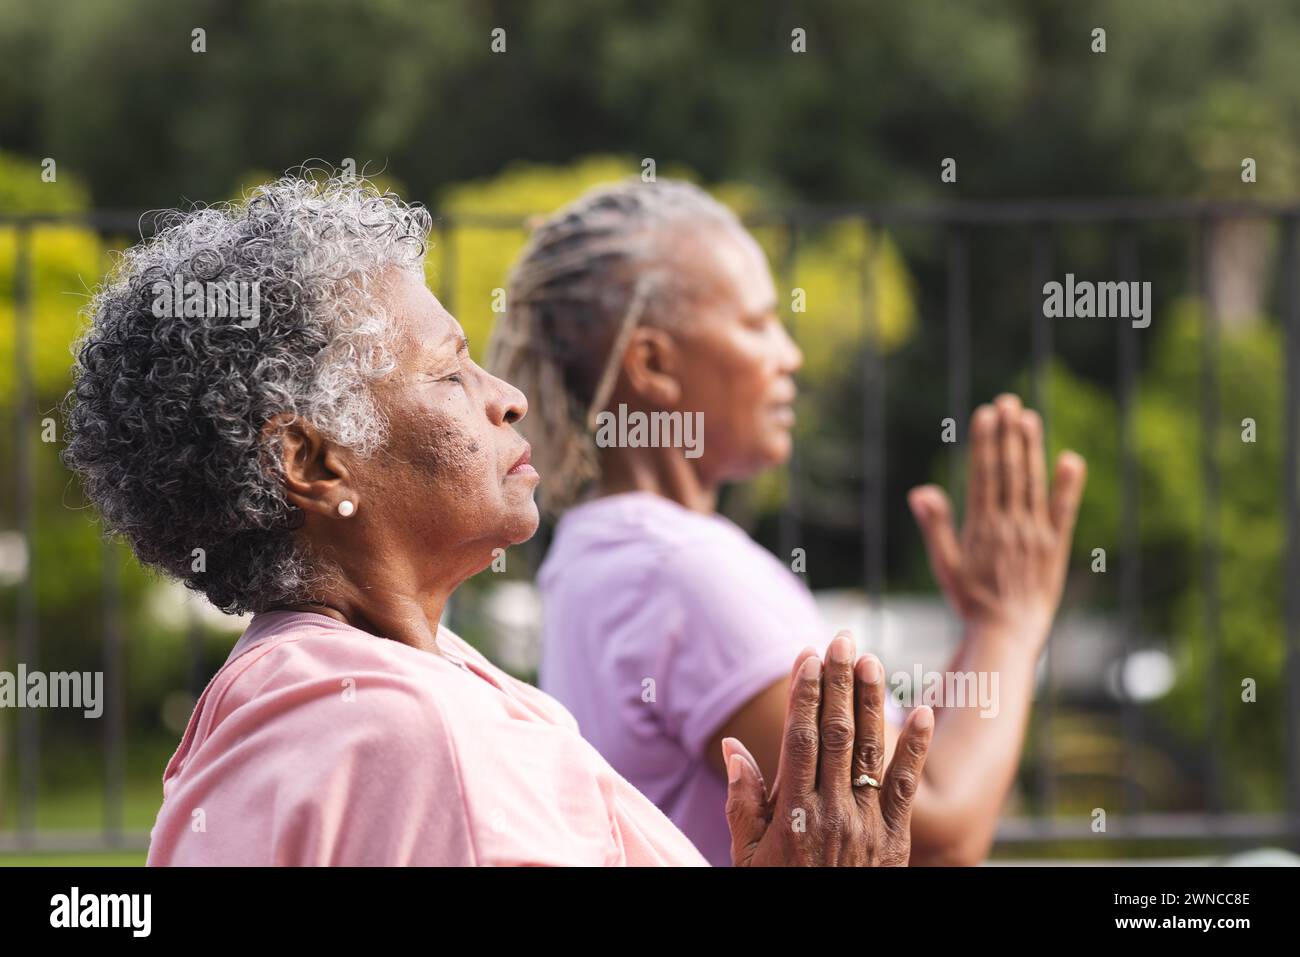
{"x": 337, "y": 464}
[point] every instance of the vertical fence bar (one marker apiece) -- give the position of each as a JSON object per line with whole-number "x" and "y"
{"x": 1290, "y": 271}
{"x": 1210, "y": 501}
{"x": 1041, "y": 340}
{"x": 1041, "y": 345}
{"x": 958, "y": 352}
{"x": 114, "y": 724}
{"x": 1130, "y": 599}
{"x": 873, "y": 446}
{"x": 29, "y": 740}
{"x": 791, "y": 521}
{"x": 1040, "y": 324}
{"x": 447, "y": 281}
{"x": 114, "y": 710}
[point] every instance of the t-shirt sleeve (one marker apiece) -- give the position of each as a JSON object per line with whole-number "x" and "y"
{"x": 732, "y": 633}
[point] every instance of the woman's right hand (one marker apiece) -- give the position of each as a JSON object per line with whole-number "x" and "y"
{"x": 834, "y": 734}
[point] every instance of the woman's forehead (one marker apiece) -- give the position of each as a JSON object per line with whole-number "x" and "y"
{"x": 729, "y": 262}
{"x": 424, "y": 318}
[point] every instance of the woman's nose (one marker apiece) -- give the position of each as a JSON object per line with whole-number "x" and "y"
{"x": 793, "y": 355}
{"x": 508, "y": 404}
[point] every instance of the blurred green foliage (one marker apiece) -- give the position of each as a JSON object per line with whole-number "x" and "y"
{"x": 1010, "y": 88}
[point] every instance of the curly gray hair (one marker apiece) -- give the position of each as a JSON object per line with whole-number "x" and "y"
{"x": 166, "y": 413}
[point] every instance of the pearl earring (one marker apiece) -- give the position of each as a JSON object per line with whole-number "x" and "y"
{"x": 346, "y": 508}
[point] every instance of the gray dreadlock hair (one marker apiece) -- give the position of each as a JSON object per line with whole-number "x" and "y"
{"x": 587, "y": 277}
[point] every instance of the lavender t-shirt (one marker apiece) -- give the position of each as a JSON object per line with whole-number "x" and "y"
{"x": 659, "y": 624}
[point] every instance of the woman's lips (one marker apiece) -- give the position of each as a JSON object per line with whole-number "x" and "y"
{"x": 522, "y": 466}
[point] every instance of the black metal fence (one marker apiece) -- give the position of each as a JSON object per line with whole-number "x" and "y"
{"x": 1035, "y": 226}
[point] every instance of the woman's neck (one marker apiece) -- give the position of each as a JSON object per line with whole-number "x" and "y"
{"x": 384, "y": 608}
{"x": 663, "y": 472}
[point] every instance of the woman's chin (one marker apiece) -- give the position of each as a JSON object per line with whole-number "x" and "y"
{"x": 777, "y": 449}
{"x": 523, "y": 523}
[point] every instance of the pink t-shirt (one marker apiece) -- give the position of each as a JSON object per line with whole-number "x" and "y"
{"x": 320, "y": 744}
{"x": 659, "y": 624}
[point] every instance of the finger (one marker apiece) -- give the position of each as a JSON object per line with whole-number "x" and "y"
{"x": 983, "y": 494}
{"x": 1067, "y": 492}
{"x": 798, "y": 767}
{"x": 934, "y": 515}
{"x": 804, "y": 655}
{"x": 746, "y": 806}
{"x": 904, "y": 774}
{"x": 799, "y": 660}
{"x": 869, "y": 726}
{"x": 836, "y": 757}
{"x": 1011, "y": 448}
{"x": 1031, "y": 424}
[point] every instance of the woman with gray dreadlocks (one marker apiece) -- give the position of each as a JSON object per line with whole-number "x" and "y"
{"x": 641, "y": 320}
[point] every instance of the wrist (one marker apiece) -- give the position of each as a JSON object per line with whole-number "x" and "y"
{"x": 1027, "y": 630}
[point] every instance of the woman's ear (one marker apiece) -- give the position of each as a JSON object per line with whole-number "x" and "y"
{"x": 314, "y": 476}
{"x": 652, "y": 367}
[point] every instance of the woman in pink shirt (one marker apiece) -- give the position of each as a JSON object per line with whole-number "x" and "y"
{"x": 335, "y": 463}
{"x": 666, "y": 627}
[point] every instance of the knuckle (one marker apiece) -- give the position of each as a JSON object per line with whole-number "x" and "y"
{"x": 840, "y": 679}
{"x": 837, "y": 733}
{"x": 870, "y": 755}
{"x": 905, "y": 783}
{"x": 802, "y": 740}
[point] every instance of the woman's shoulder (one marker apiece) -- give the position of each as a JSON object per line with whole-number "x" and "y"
{"x": 286, "y": 648}
{"x": 619, "y": 535}
{"x": 294, "y": 679}
{"x": 317, "y": 673}
{"x": 642, "y": 520}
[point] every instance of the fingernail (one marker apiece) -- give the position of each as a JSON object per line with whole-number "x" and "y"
{"x": 924, "y": 718}
{"x": 734, "y": 768}
{"x": 810, "y": 667}
{"x": 841, "y": 649}
{"x": 875, "y": 671}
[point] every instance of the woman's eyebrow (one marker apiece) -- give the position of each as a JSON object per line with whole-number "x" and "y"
{"x": 462, "y": 342}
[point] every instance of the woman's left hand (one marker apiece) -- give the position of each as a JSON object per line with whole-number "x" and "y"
{"x": 1007, "y": 570}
